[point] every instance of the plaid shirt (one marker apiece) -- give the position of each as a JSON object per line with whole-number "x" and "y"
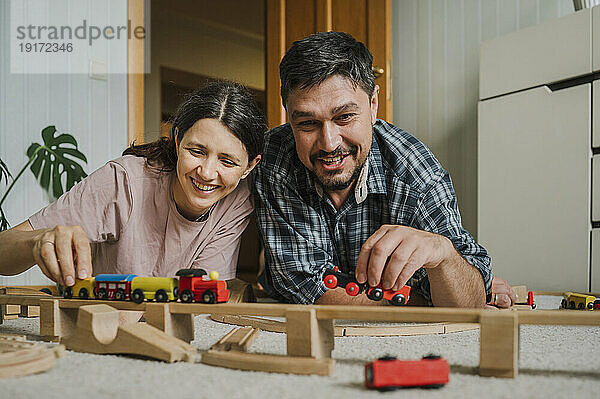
{"x": 303, "y": 234}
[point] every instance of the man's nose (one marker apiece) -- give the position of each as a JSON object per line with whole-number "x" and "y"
{"x": 330, "y": 137}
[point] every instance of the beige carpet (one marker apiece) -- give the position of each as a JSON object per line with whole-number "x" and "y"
{"x": 555, "y": 362}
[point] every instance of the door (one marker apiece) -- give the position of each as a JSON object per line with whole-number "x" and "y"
{"x": 369, "y": 21}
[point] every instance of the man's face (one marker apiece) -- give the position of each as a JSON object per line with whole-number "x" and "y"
{"x": 333, "y": 128}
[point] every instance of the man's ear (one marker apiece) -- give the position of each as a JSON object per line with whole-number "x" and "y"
{"x": 175, "y": 134}
{"x": 374, "y": 104}
{"x": 251, "y": 166}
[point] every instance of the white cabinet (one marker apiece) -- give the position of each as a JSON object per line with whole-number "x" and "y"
{"x": 538, "y": 189}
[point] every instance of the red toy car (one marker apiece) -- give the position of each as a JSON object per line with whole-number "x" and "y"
{"x": 334, "y": 278}
{"x": 389, "y": 373}
{"x": 194, "y": 288}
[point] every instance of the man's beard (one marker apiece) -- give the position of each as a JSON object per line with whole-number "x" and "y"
{"x": 333, "y": 184}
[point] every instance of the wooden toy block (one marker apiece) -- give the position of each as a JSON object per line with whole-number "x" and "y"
{"x": 98, "y": 331}
{"x": 180, "y": 326}
{"x": 499, "y": 344}
{"x": 269, "y": 363}
{"x": 521, "y": 293}
{"x": 307, "y": 336}
{"x": 30, "y": 311}
{"x": 238, "y": 339}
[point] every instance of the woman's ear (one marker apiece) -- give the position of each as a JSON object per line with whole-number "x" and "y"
{"x": 175, "y": 134}
{"x": 251, "y": 166}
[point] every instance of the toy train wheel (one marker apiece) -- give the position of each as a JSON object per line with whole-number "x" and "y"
{"x": 375, "y": 294}
{"x": 398, "y": 300}
{"x": 161, "y": 296}
{"x": 120, "y": 294}
{"x": 186, "y": 296}
{"x": 68, "y": 293}
{"x": 352, "y": 289}
{"x": 331, "y": 281}
{"x": 84, "y": 293}
{"x": 581, "y": 306}
{"x": 138, "y": 296}
{"x": 590, "y": 306}
{"x": 563, "y": 304}
{"x": 102, "y": 293}
{"x": 209, "y": 297}
{"x": 572, "y": 305}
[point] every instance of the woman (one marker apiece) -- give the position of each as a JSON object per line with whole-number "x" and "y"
{"x": 175, "y": 203}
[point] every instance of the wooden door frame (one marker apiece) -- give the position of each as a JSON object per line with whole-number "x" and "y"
{"x": 135, "y": 79}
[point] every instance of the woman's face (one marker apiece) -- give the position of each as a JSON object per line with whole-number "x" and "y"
{"x": 210, "y": 163}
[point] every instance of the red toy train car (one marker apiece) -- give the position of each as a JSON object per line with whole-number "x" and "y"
{"x": 389, "y": 373}
{"x": 334, "y": 278}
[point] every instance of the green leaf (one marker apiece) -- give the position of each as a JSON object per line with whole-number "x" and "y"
{"x": 4, "y": 172}
{"x": 56, "y": 157}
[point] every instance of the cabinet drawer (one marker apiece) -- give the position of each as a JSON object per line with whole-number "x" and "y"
{"x": 596, "y": 44}
{"x": 596, "y": 110}
{"x": 595, "y": 260}
{"x": 553, "y": 51}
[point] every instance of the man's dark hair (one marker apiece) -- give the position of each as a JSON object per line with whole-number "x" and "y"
{"x": 315, "y": 58}
{"x": 228, "y": 102}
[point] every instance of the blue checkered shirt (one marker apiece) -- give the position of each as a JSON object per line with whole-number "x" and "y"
{"x": 402, "y": 183}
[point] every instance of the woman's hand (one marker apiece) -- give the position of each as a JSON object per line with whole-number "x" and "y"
{"x": 63, "y": 253}
{"x": 502, "y": 295}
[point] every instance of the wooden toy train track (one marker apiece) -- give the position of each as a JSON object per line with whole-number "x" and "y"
{"x": 19, "y": 357}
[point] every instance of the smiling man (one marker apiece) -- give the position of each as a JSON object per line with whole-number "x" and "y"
{"x": 338, "y": 187}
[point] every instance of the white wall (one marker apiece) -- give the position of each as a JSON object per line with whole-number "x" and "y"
{"x": 198, "y": 46}
{"x": 93, "y": 111}
{"x": 436, "y": 75}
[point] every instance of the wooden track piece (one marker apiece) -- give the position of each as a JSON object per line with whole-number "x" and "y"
{"x": 499, "y": 344}
{"x": 98, "y": 331}
{"x": 269, "y": 363}
{"x": 240, "y": 291}
{"x": 19, "y": 357}
{"x": 238, "y": 339}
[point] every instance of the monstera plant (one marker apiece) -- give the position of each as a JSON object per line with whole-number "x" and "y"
{"x": 48, "y": 162}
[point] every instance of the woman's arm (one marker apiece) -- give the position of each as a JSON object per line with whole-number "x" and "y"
{"x": 58, "y": 252}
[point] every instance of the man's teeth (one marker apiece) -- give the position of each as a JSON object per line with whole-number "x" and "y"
{"x": 331, "y": 161}
{"x": 204, "y": 187}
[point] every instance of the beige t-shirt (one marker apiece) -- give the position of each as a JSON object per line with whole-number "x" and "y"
{"x": 128, "y": 212}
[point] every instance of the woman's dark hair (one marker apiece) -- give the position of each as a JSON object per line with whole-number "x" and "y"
{"x": 228, "y": 102}
{"x": 317, "y": 57}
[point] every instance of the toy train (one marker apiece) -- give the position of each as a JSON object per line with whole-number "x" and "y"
{"x": 572, "y": 300}
{"x": 191, "y": 286}
{"x": 388, "y": 373}
{"x": 334, "y": 278}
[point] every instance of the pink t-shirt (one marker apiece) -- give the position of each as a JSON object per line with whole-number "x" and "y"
{"x": 128, "y": 212}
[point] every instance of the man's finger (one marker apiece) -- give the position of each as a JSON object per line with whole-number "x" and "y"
{"x": 397, "y": 262}
{"x": 380, "y": 254}
{"x": 365, "y": 253}
{"x": 415, "y": 262}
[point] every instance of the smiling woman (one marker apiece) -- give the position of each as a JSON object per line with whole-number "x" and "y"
{"x": 179, "y": 202}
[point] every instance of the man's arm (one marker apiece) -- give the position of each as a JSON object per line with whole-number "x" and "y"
{"x": 457, "y": 268}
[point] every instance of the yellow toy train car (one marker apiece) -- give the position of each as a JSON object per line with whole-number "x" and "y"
{"x": 572, "y": 300}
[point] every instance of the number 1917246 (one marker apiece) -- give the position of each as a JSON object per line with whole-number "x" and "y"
{"x": 46, "y": 47}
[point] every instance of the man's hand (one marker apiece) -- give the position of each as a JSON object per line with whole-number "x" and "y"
{"x": 394, "y": 253}
{"x": 502, "y": 295}
{"x": 61, "y": 252}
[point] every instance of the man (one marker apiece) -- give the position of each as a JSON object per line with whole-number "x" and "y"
{"x": 339, "y": 187}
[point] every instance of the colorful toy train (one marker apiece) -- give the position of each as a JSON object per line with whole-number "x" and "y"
{"x": 191, "y": 286}
{"x": 334, "y": 278}
{"x": 572, "y": 300}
